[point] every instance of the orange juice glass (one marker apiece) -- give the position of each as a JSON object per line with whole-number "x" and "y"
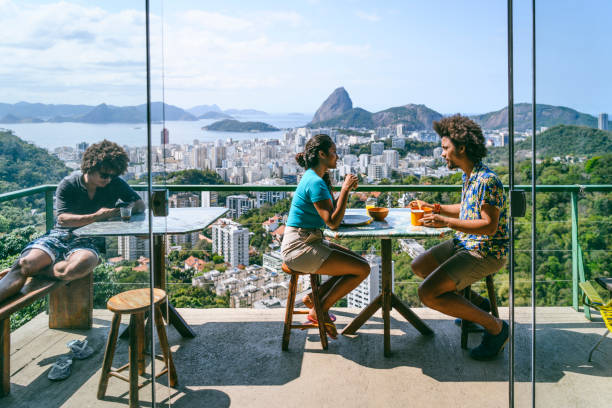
{"x": 415, "y": 217}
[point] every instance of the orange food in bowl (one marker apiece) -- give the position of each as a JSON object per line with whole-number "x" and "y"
{"x": 378, "y": 213}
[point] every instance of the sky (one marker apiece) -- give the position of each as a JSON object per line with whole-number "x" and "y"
{"x": 288, "y": 56}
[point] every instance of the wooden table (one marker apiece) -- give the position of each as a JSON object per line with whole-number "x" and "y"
{"x": 396, "y": 225}
{"x": 178, "y": 221}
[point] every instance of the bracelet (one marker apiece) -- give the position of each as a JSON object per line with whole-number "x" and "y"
{"x": 436, "y": 208}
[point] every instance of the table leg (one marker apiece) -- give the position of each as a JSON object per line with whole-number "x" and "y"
{"x": 363, "y": 316}
{"x": 385, "y": 249}
{"x": 159, "y": 281}
{"x": 410, "y": 316}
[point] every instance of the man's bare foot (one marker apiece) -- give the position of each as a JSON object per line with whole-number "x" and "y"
{"x": 11, "y": 283}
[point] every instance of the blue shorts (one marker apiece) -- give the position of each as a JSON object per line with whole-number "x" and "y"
{"x": 60, "y": 244}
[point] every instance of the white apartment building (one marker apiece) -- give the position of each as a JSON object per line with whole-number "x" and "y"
{"x": 131, "y": 248}
{"x": 377, "y": 148}
{"x": 238, "y": 205}
{"x": 272, "y": 261}
{"x": 377, "y": 171}
{"x": 209, "y": 198}
{"x": 391, "y": 158}
{"x": 371, "y": 287}
{"x": 231, "y": 240}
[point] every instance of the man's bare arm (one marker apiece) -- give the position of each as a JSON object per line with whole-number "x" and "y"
{"x": 487, "y": 225}
{"x": 78, "y": 220}
{"x": 450, "y": 210}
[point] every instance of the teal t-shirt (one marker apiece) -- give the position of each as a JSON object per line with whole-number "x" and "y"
{"x": 303, "y": 213}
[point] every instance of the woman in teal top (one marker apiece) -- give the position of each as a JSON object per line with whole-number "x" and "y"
{"x": 312, "y": 208}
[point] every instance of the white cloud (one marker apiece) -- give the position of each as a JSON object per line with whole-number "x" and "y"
{"x": 371, "y": 17}
{"x": 64, "y": 48}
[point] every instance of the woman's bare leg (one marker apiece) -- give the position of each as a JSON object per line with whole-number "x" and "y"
{"x": 331, "y": 282}
{"x": 351, "y": 272}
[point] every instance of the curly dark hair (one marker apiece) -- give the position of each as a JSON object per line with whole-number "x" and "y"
{"x": 310, "y": 156}
{"x": 463, "y": 131}
{"x": 104, "y": 155}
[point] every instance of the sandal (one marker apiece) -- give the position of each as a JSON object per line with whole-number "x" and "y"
{"x": 330, "y": 327}
{"x": 308, "y": 303}
{"x": 60, "y": 370}
{"x": 79, "y": 349}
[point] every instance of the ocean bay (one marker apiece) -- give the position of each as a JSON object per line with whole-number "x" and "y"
{"x": 52, "y": 135}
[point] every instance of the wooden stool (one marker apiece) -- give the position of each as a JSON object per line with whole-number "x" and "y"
{"x": 135, "y": 303}
{"x": 492, "y": 299}
{"x": 289, "y": 311}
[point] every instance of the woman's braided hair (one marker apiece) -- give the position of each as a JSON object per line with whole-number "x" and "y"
{"x": 310, "y": 156}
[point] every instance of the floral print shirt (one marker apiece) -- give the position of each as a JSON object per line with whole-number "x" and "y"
{"x": 484, "y": 187}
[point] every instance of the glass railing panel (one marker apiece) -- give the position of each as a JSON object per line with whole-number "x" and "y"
{"x": 74, "y": 94}
{"x": 573, "y": 145}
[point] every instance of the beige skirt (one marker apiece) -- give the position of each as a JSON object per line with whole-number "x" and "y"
{"x": 304, "y": 249}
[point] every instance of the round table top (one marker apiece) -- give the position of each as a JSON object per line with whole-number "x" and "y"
{"x": 134, "y": 301}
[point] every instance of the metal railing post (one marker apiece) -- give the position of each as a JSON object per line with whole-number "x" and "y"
{"x": 49, "y": 209}
{"x": 574, "y": 200}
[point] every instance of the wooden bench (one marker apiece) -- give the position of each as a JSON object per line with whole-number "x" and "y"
{"x": 70, "y": 307}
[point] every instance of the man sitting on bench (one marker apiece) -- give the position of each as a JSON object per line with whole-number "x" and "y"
{"x": 83, "y": 197}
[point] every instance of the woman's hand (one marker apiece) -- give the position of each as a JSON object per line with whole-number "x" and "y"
{"x": 434, "y": 220}
{"x": 415, "y": 204}
{"x": 350, "y": 182}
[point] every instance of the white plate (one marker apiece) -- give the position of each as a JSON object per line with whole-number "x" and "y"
{"x": 355, "y": 219}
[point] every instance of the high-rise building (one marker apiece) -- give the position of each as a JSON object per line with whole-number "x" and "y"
{"x": 377, "y": 148}
{"x": 132, "y": 248}
{"x": 238, "y": 205}
{"x": 602, "y": 123}
{"x": 184, "y": 199}
{"x": 165, "y": 136}
{"x": 391, "y": 158}
{"x": 375, "y": 172}
{"x": 371, "y": 287}
{"x": 231, "y": 240}
{"x": 209, "y": 198}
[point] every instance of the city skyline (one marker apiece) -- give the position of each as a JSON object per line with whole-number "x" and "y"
{"x": 280, "y": 58}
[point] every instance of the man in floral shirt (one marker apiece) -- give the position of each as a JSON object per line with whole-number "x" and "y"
{"x": 480, "y": 245}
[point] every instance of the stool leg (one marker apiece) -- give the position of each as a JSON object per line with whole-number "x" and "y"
{"x": 289, "y": 311}
{"x": 163, "y": 341}
{"x": 134, "y": 334}
{"x": 109, "y": 354}
{"x": 492, "y": 296}
{"x": 314, "y": 283}
{"x": 467, "y": 292}
{"x": 140, "y": 342}
{"x": 5, "y": 356}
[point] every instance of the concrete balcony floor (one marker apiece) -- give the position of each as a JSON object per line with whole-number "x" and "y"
{"x": 236, "y": 360}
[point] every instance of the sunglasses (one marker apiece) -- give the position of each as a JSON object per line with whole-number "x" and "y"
{"x": 107, "y": 176}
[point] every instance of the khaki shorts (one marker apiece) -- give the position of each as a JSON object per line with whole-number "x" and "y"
{"x": 304, "y": 249}
{"x": 462, "y": 266}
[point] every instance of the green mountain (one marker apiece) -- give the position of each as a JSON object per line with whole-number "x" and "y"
{"x": 229, "y": 125}
{"x": 24, "y": 165}
{"x": 546, "y": 115}
{"x": 565, "y": 140}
